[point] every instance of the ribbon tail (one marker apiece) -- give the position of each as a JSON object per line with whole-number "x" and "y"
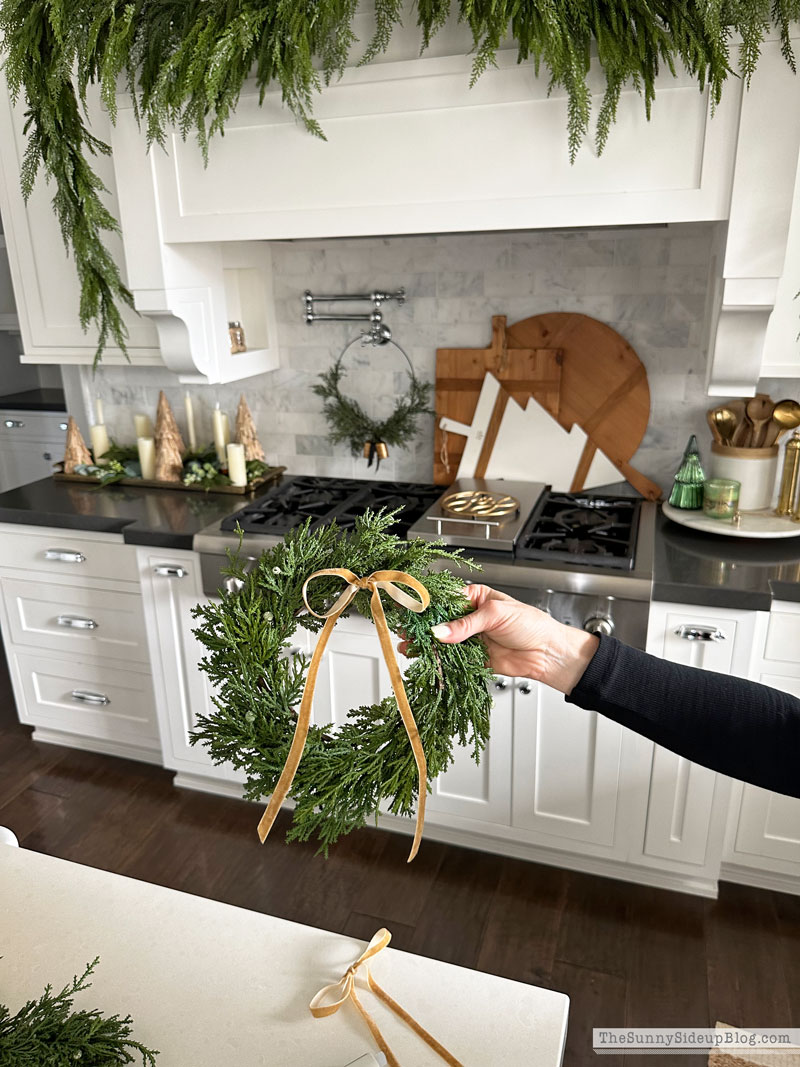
{"x": 405, "y": 713}
{"x": 284, "y": 784}
{"x": 409, "y": 1020}
{"x": 380, "y": 1041}
{"x": 372, "y": 451}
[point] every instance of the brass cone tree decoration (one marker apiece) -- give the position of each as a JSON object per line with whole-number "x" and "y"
{"x": 76, "y": 453}
{"x": 687, "y": 489}
{"x": 246, "y": 432}
{"x": 169, "y": 444}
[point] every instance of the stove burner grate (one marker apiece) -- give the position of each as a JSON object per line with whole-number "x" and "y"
{"x": 600, "y": 530}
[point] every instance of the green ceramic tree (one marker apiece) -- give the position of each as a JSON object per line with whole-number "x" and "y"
{"x": 687, "y": 489}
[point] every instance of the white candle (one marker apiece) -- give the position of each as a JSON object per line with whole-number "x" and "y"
{"x": 190, "y": 431}
{"x": 98, "y": 407}
{"x": 144, "y": 426}
{"x": 237, "y": 471}
{"x": 98, "y": 435}
{"x": 226, "y": 427}
{"x": 221, "y": 434}
{"x": 147, "y": 457}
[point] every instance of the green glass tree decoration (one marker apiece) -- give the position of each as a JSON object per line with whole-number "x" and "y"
{"x": 687, "y": 489}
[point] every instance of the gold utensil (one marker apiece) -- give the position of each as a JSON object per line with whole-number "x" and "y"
{"x": 785, "y": 416}
{"x": 741, "y": 427}
{"x": 759, "y": 411}
{"x": 723, "y": 424}
{"x": 713, "y": 427}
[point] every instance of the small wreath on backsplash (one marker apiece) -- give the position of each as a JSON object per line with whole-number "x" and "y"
{"x": 339, "y": 777}
{"x": 349, "y": 422}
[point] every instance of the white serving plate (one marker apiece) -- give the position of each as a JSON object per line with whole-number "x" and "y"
{"x": 762, "y": 524}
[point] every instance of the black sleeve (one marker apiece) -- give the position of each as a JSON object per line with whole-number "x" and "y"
{"x": 733, "y": 726}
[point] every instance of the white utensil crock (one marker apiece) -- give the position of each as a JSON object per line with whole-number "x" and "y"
{"x": 754, "y": 468}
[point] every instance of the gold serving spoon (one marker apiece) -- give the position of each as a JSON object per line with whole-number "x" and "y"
{"x": 785, "y": 416}
{"x": 725, "y": 423}
{"x": 759, "y": 411}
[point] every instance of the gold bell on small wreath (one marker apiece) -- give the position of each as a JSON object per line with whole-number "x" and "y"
{"x": 375, "y": 450}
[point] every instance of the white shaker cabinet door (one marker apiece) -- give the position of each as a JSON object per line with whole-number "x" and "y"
{"x": 566, "y": 771}
{"x": 171, "y": 587}
{"x": 480, "y": 791}
{"x": 686, "y": 801}
{"x": 352, "y": 672}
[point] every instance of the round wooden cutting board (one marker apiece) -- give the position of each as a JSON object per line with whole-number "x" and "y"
{"x": 603, "y": 386}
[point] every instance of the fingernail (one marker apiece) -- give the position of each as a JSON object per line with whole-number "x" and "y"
{"x": 441, "y": 631}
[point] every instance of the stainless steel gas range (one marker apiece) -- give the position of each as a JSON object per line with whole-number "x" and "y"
{"x": 587, "y": 558}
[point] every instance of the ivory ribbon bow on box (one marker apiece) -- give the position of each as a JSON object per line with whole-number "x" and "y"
{"x": 345, "y": 989}
{"x": 373, "y": 583}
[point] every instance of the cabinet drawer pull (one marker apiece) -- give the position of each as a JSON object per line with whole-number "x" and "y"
{"x": 86, "y": 696}
{"x": 171, "y": 572}
{"x": 525, "y": 688}
{"x": 65, "y": 555}
{"x": 691, "y": 632}
{"x": 77, "y": 622}
{"x": 14, "y": 424}
{"x": 62, "y": 426}
{"x": 500, "y": 684}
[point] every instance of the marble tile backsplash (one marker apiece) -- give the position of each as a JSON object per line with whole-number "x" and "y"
{"x": 650, "y": 284}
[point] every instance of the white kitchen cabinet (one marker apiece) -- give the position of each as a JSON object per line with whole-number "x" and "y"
{"x": 687, "y": 803}
{"x": 46, "y": 288}
{"x": 352, "y": 672}
{"x": 763, "y": 838}
{"x": 480, "y": 792}
{"x": 171, "y": 587}
{"x": 31, "y": 443}
{"x": 73, "y": 630}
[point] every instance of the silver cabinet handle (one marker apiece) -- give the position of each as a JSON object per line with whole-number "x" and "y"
{"x": 691, "y": 632}
{"x": 77, "y": 622}
{"x": 500, "y": 684}
{"x": 65, "y": 555}
{"x": 62, "y": 426}
{"x": 86, "y": 696}
{"x": 47, "y": 455}
{"x": 14, "y": 424}
{"x": 525, "y": 687}
{"x": 167, "y": 571}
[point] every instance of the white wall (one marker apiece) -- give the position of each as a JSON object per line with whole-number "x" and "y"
{"x": 650, "y": 284}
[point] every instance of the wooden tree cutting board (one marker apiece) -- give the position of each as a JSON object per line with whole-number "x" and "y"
{"x": 523, "y": 371}
{"x": 603, "y": 388}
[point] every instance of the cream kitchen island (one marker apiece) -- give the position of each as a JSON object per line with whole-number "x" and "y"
{"x": 210, "y": 984}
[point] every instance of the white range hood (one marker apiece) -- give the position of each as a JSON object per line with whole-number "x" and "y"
{"x": 411, "y": 149}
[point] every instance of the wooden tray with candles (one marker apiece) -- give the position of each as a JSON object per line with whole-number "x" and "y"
{"x": 270, "y": 477}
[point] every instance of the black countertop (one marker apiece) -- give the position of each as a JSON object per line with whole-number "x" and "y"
{"x": 159, "y": 517}
{"x": 34, "y": 400}
{"x": 691, "y": 567}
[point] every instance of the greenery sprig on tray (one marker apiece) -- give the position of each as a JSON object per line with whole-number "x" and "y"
{"x": 47, "y": 1033}
{"x": 344, "y": 773}
{"x": 184, "y": 63}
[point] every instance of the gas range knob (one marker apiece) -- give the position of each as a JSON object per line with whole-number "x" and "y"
{"x": 599, "y": 624}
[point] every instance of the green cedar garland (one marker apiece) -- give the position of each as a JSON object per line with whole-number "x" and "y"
{"x": 344, "y": 774}
{"x": 47, "y": 1033}
{"x": 185, "y": 61}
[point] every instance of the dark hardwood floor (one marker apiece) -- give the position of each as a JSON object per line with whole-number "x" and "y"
{"x": 626, "y": 955}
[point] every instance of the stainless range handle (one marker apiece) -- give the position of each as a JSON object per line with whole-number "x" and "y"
{"x": 77, "y": 622}
{"x": 65, "y": 555}
{"x": 170, "y": 571}
{"x": 692, "y": 632}
{"x": 86, "y": 696}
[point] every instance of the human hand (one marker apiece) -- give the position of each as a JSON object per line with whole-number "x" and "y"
{"x": 521, "y": 640}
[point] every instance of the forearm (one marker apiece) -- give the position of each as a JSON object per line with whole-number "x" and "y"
{"x": 733, "y": 726}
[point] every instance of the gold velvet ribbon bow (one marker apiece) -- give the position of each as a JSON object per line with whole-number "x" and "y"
{"x": 373, "y": 583}
{"x": 345, "y": 989}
